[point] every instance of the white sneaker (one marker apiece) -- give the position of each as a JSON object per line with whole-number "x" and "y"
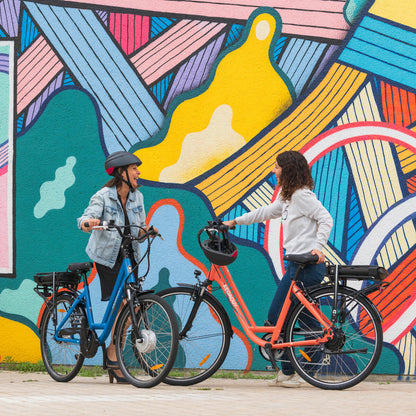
{"x": 283, "y": 380}
{"x": 294, "y": 381}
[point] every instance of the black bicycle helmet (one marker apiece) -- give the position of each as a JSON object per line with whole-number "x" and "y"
{"x": 218, "y": 248}
{"x": 119, "y": 159}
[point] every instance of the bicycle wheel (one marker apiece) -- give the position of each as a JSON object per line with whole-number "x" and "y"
{"x": 204, "y": 344}
{"x": 62, "y": 359}
{"x": 350, "y": 356}
{"x": 146, "y": 363}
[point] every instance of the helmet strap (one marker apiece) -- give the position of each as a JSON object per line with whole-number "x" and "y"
{"x": 116, "y": 173}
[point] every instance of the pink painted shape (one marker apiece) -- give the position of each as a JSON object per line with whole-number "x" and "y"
{"x": 173, "y": 47}
{"x": 36, "y": 68}
{"x": 130, "y": 31}
{"x": 314, "y": 13}
{"x": 4, "y": 228}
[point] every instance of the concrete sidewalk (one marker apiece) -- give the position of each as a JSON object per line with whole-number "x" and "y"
{"x": 37, "y": 394}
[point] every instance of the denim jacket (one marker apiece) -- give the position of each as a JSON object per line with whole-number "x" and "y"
{"x": 104, "y": 245}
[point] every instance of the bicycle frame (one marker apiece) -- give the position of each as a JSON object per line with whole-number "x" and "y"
{"x": 125, "y": 276}
{"x": 222, "y": 276}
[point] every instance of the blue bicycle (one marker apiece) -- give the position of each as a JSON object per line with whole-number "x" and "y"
{"x": 146, "y": 331}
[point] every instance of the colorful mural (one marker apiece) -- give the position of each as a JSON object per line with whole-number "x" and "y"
{"x": 206, "y": 95}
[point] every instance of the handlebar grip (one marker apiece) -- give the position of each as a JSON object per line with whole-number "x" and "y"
{"x": 86, "y": 224}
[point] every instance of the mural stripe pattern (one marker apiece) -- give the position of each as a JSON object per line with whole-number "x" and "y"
{"x": 371, "y": 170}
{"x": 35, "y": 107}
{"x": 28, "y": 31}
{"x": 9, "y": 16}
{"x": 130, "y": 31}
{"x": 407, "y": 347}
{"x": 400, "y": 293}
{"x": 174, "y": 46}
{"x": 298, "y": 61}
{"x": 195, "y": 71}
{"x": 226, "y": 186}
{"x": 383, "y": 49}
{"x": 399, "y": 105}
{"x": 411, "y": 184}
{"x": 128, "y": 111}
{"x": 331, "y": 174}
{"x": 377, "y": 189}
{"x": 319, "y": 18}
{"x": 407, "y": 159}
{"x": 36, "y": 68}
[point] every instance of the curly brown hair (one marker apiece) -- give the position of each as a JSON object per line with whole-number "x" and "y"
{"x": 295, "y": 173}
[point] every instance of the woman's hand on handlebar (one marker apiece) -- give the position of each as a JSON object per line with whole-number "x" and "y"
{"x": 231, "y": 224}
{"x": 320, "y": 255}
{"x": 153, "y": 231}
{"x": 89, "y": 224}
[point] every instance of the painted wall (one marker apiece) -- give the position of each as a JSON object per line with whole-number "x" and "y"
{"x": 207, "y": 95}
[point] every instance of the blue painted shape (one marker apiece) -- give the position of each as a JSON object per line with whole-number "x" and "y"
{"x": 355, "y": 230}
{"x": 234, "y": 34}
{"x": 28, "y": 31}
{"x": 160, "y": 88}
{"x": 331, "y": 187}
{"x": 278, "y": 47}
{"x": 383, "y": 49}
{"x": 129, "y": 113}
{"x": 299, "y": 60}
{"x": 159, "y": 24}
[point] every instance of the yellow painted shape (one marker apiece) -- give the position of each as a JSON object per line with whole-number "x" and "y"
{"x": 193, "y": 160}
{"x": 18, "y": 342}
{"x": 407, "y": 159}
{"x": 228, "y": 185}
{"x": 245, "y": 82}
{"x": 403, "y": 11}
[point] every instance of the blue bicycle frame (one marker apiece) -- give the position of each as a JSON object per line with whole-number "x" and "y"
{"x": 125, "y": 276}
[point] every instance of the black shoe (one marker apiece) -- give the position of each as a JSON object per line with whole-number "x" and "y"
{"x": 112, "y": 375}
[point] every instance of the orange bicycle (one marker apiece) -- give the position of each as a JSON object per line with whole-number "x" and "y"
{"x": 332, "y": 332}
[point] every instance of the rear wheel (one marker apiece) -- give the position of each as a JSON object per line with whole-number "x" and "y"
{"x": 352, "y": 353}
{"x": 146, "y": 360}
{"x": 203, "y": 342}
{"x": 62, "y": 359}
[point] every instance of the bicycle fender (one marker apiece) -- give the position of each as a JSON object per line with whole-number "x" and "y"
{"x": 358, "y": 295}
{"x": 220, "y": 306}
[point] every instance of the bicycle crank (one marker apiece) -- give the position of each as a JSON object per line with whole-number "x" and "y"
{"x": 277, "y": 354}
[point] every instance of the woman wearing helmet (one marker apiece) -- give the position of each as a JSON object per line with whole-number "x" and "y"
{"x": 120, "y": 201}
{"x": 306, "y": 227}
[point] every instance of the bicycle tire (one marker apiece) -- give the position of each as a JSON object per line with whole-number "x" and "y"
{"x": 203, "y": 349}
{"x": 353, "y": 352}
{"x": 146, "y": 364}
{"x": 62, "y": 360}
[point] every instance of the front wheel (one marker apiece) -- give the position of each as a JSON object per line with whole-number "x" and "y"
{"x": 145, "y": 360}
{"x": 204, "y": 335}
{"x": 351, "y": 354}
{"x": 62, "y": 358}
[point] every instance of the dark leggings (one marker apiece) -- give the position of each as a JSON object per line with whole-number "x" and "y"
{"x": 311, "y": 275}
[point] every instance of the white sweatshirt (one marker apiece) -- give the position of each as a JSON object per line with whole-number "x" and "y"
{"x": 306, "y": 223}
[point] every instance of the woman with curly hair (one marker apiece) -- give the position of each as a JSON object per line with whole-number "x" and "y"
{"x": 306, "y": 227}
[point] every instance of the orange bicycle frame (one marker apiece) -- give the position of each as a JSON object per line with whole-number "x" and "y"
{"x": 222, "y": 276}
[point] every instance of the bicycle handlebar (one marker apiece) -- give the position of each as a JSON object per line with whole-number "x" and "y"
{"x": 104, "y": 225}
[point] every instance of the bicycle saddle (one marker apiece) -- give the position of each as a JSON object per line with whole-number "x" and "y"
{"x": 80, "y": 267}
{"x": 304, "y": 258}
